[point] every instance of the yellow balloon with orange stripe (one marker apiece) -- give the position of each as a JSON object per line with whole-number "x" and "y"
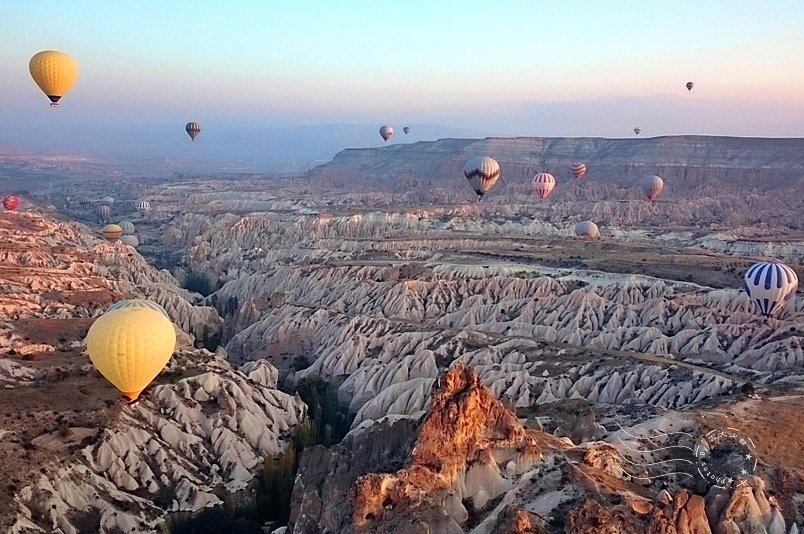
{"x": 130, "y": 346}
{"x": 54, "y": 72}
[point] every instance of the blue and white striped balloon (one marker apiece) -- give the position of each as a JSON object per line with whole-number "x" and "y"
{"x": 770, "y": 285}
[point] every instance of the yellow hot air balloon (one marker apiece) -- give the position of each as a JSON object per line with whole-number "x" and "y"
{"x": 112, "y": 232}
{"x": 130, "y": 346}
{"x": 54, "y": 72}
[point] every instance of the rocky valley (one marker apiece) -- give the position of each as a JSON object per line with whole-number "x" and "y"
{"x": 494, "y": 371}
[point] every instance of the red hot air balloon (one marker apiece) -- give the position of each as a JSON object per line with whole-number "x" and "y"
{"x": 543, "y": 184}
{"x": 578, "y": 170}
{"x": 11, "y": 202}
{"x": 651, "y": 187}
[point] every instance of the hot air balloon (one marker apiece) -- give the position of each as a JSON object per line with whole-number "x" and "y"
{"x": 85, "y": 200}
{"x": 543, "y": 184}
{"x": 11, "y": 202}
{"x": 107, "y": 200}
{"x": 137, "y": 303}
{"x": 130, "y": 346}
{"x": 127, "y": 227}
{"x": 482, "y": 173}
{"x": 130, "y": 240}
{"x": 386, "y": 132}
{"x": 143, "y": 206}
{"x": 54, "y": 72}
{"x": 193, "y": 129}
{"x": 770, "y": 285}
{"x": 651, "y": 187}
{"x": 578, "y": 170}
{"x": 637, "y": 130}
{"x": 587, "y": 229}
{"x": 690, "y": 86}
{"x": 103, "y": 212}
{"x": 112, "y": 232}
{"x": 406, "y": 129}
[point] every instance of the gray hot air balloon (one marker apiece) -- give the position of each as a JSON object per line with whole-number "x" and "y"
{"x": 587, "y": 229}
{"x": 386, "y": 132}
{"x": 130, "y": 240}
{"x": 482, "y": 173}
{"x": 690, "y": 85}
{"x": 193, "y": 129}
{"x": 127, "y": 227}
{"x": 103, "y": 213}
{"x": 406, "y": 129}
{"x": 637, "y": 130}
{"x": 651, "y": 187}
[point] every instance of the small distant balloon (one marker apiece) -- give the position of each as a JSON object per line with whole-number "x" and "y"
{"x": 482, "y": 172}
{"x": 107, "y": 200}
{"x": 651, "y": 187}
{"x": 578, "y": 170}
{"x": 11, "y": 202}
{"x": 143, "y": 206}
{"x": 127, "y": 227}
{"x": 112, "y": 232}
{"x": 193, "y": 129}
{"x": 770, "y": 285}
{"x": 130, "y": 240}
{"x": 543, "y": 184}
{"x": 637, "y": 130}
{"x": 587, "y": 229}
{"x": 386, "y": 132}
{"x": 54, "y": 72}
{"x": 406, "y": 129}
{"x": 690, "y": 85}
{"x": 103, "y": 212}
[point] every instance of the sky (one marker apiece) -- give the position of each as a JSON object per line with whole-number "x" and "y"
{"x": 542, "y": 68}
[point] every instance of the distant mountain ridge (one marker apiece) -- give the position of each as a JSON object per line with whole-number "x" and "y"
{"x": 690, "y": 162}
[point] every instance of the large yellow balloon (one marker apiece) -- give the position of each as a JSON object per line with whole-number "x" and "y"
{"x": 54, "y": 72}
{"x": 130, "y": 346}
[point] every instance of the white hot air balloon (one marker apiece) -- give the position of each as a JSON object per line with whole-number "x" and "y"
{"x": 587, "y": 229}
{"x": 770, "y": 285}
{"x": 482, "y": 172}
{"x": 127, "y": 227}
{"x": 543, "y": 184}
{"x": 130, "y": 240}
{"x": 651, "y": 187}
{"x": 143, "y": 206}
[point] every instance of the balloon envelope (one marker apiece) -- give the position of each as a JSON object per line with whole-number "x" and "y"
{"x": 143, "y": 206}
{"x": 651, "y": 187}
{"x": 193, "y": 129}
{"x": 130, "y": 346}
{"x": 127, "y": 227}
{"x": 386, "y": 132}
{"x": 637, "y": 130}
{"x": 482, "y": 172}
{"x": 690, "y": 86}
{"x": 112, "y": 232}
{"x": 54, "y": 72}
{"x": 11, "y": 202}
{"x": 578, "y": 170}
{"x": 770, "y": 285}
{"x": 587, "y": 229}
{"x": 543, "y": 184}
{"x": 406, "y": 129}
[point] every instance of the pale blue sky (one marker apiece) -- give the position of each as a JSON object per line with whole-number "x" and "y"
{"x": 557, "y": 67}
